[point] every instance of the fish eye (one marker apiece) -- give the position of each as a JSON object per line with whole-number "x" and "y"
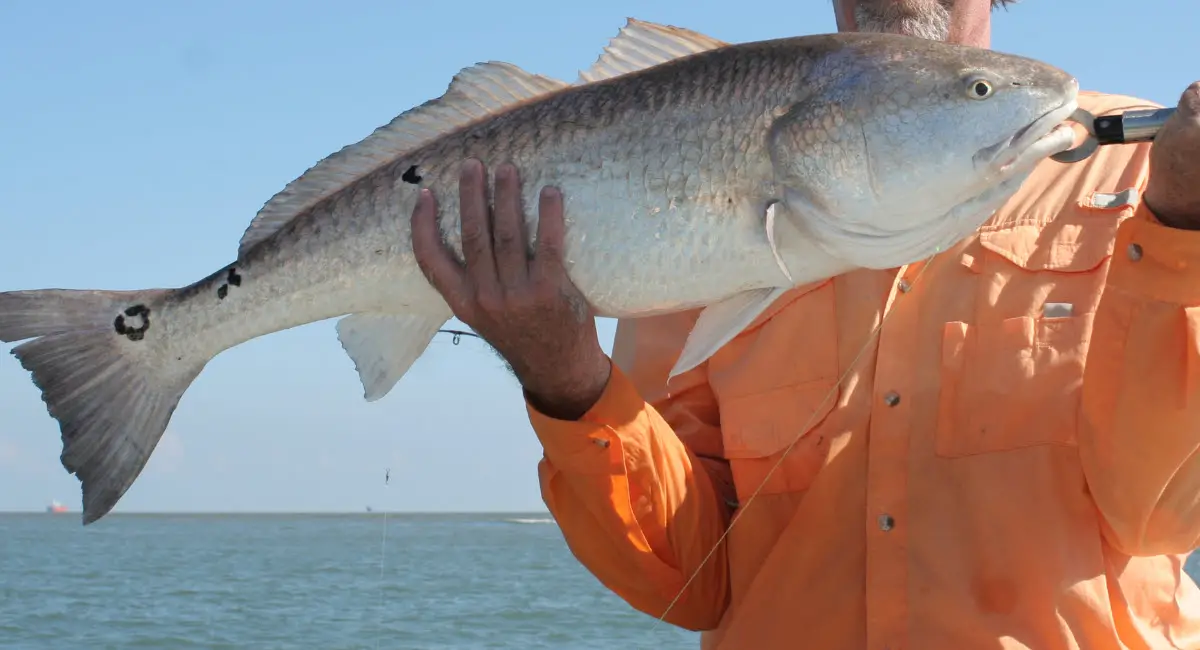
{"x": 979, "y": 88}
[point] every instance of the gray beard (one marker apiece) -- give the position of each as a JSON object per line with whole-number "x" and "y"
{"x": 928, "y": 19}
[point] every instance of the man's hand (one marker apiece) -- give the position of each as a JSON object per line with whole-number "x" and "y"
{"x": 1173, "y": 194}
{"x": 526, "y": 307}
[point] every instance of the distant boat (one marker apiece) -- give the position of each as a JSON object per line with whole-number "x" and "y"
{"x": 55, "y": 507}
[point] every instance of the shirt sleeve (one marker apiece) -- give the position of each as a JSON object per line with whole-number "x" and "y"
{"x": 638, "y": 488}
{"x": 1140, "y": 424}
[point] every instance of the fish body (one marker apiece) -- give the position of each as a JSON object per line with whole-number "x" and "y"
{"x": 695, "y": 174}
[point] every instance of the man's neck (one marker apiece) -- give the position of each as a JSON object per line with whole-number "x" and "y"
{"x": 974, "y": 35}
{"x": 968, "y": 25}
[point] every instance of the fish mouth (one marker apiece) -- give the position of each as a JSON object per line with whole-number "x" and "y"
{"x": 1047, "y": 135}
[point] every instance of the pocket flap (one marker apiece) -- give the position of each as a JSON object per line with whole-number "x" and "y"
{"x": 1077, "y": 239}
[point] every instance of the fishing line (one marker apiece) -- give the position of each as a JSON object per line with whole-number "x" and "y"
{"x": 742, "y": 508}
{"x": 1142, "y": 126}
{"x": 387, "y": 475}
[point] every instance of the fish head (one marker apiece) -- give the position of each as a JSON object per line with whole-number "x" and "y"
{"x": 909, "y": 145}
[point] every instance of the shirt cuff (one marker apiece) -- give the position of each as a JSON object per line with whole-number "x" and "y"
{"x": 594, "y": 443}
{"x": 1156, "y": 261}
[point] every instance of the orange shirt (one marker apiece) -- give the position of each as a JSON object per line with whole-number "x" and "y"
{"x": 1012, "y": 462}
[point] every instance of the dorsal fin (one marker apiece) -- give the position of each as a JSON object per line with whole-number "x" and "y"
{"x": 641, "y": 44}
{"x": 475, "y": 92}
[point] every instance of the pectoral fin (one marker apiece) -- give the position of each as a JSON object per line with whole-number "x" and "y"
{"x": 720, "y": 322}
{"x": 770, "y": 226}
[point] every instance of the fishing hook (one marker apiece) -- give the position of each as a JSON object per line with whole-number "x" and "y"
{"x": 458, "y": 334}
{"x": 1133, "y": 126}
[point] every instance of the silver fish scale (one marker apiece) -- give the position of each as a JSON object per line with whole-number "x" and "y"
{"x": 628, "y": 221}
{"x": 664, "y": 175}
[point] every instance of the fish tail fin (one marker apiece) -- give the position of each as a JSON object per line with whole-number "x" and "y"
{"x": 103, "y": 374}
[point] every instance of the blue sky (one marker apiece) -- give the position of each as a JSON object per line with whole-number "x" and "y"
{"x": 138, "y": 139}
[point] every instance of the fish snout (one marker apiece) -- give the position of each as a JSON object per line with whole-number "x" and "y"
{"x": 1049, "y": 134}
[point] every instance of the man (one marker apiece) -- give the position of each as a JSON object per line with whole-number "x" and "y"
{"x": 1011, "y": 462}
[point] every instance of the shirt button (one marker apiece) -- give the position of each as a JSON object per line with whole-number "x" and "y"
{"x": 904, "y": 286}
{"x": 886, "y": 522}
{"x": 1135, "y": 252}
{"x": 892, "y": 398}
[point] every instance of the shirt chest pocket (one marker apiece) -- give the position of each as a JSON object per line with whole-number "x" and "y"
{"x": 775, "y": 385}
{"x": 1011, "y": 376}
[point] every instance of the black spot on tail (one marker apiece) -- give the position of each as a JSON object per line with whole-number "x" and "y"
{"x": 232, "y": 278}
{"x": 411, "y": 176}
{"x": 133, "y": 333}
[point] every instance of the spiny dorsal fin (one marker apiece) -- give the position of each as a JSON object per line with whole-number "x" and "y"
{"x": 474, "y": 93}
{"x": 642, "y": 44}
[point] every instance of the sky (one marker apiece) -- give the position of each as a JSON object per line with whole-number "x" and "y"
{"x": 138, "y": 139}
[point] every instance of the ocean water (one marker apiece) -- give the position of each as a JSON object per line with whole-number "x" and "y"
{"x": 309, "y": 581}
{"x": 306, "y": 581}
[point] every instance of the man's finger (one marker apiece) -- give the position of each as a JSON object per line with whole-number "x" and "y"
{"x": 434, "y": 258}
{"x": 508, "y": 228}
{"x": 550, "y": 232}
{"x": 476, "y": 227}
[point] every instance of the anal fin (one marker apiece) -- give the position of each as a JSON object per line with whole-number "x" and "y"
{"x": 384, "y": 346}
{"x": 720, "y": 322}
